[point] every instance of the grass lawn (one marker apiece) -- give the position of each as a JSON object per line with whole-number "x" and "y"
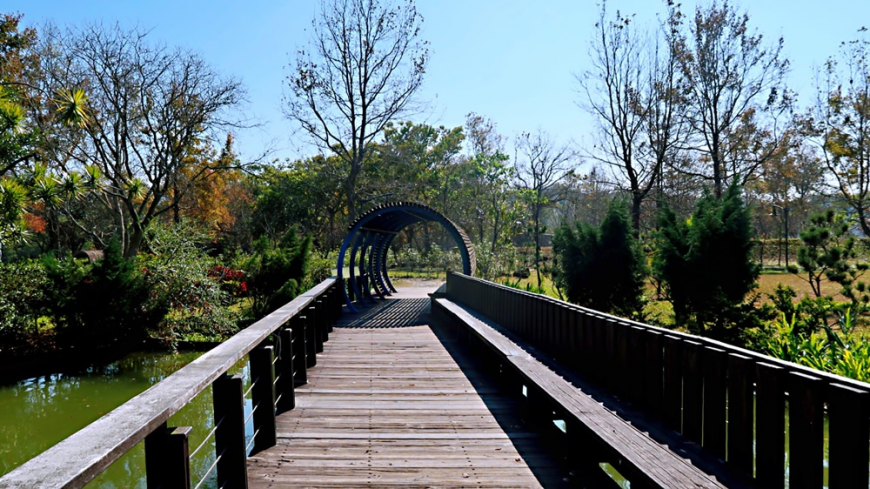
{"x": 798, "y": 281}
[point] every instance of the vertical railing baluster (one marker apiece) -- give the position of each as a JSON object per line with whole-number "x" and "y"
{"x": 229, "y": 437}
{"x": 322, "y": 321}
{"x": 770, "y": 426}
{"x": 167, "y": 458}
{"x": 715, "y": 363}
{"x": 673, "y": 377}
{"x": 653, "y": 368}
{"x": 741, "y": 370}
{"x": 286, "y": 384}
{"x": 263, "y": 397}
{"x": 299, "y": 350}
{"x": 693, "y": 384}
{"x": 849, "y": 437}
{"x": 806, "y": 431}
{"x": 310, "y": 338}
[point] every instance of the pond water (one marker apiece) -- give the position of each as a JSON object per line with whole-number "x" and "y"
{"x": 40, "y": 412}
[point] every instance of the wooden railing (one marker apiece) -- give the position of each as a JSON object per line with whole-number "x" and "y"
{"x": 281, "y": 346}
{"x": 731, "y": 401}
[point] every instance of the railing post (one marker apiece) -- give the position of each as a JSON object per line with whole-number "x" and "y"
{"x": 770, "y": 426}
{"x": 621, "y": 372}
{"x": 167, "y": 458}
{"x": 741, "y": 370}
{"x": 323, "y": 312}
{"x": 314, "y": 314}
{"x": 339, "y": 304}
{"x": 805, "y": 431}
{"x": 849, "y": 435}
{"x": 653, "y": 369}
{"x": 229, "y": 436}
{"x": 286, "y": 384}
{"x": 714, "y": 361}
{"x": 693, "y": 393}
{"x": 310, "y": 340}
{"x": 608, "y": 363}
{"x": 673, "y": 377}
{"x": 299, "y": 351}
{"x": 263, "y": 397}
{"x": 636, "y": 364}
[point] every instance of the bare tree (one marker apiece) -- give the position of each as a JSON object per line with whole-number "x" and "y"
{"x": 839, "y": 124}
{"x": 365, "y": 64}
{"x": 734, "y": 87}
{"x": 632, "y": 92}
{"x": 149, "y": 106}
{"x": 540, "y": 166}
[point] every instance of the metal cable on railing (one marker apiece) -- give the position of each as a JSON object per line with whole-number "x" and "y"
{"x": 210, "y": 469}
{"x": 207, "y": 437}
{"x": 62, "y": 464}
{"x": 253, "y": 410}
{"x": 253, "y": 439}
{"x": 253, "y": 383}
{"x": 278, "y": 400}
{"x": 277, "y": 379}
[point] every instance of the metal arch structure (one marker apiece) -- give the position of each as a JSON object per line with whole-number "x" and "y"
{"x": 368, "y": 241}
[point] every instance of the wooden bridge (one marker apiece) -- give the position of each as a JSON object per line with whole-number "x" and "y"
{"x": 480, "y": 386}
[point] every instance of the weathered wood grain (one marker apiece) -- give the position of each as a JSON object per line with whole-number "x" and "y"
{"x": 394, "y": 403}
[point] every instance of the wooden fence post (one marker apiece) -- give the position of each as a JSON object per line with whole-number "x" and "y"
{"x": 611, "y": 375}
{"x": 770, "y": 426}
{"x": 229, "y": 437}
{"x": 620, "y": 365}
{"x": 636, "y": 387}
{"x": 323, "y": 321}
{"x": 715, "y": 362}
{"x": 263, "y": 397}
{"x": 673, "y": 378}
{"x": 653, "y": 372}
{"x": 167, "y": 458}
{"x": 849, "y": 437}
{"x": 286, "y": 383}
{"x": 740, "y": 418}
{"x": 693, "y": 384}
{"x": 300, "y": 349}
{"x": 310, "y": 338}
{"x": 805, "y": 431}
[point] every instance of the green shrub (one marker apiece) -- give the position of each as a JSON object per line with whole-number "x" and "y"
{"x": 836, "y": 349}
{"x": 705, "y": 265}
{"x": 108, "y": 302}
{"x": 179, "y": 274}
{"x": 276, "y": 273}
{"x": 828, "y": 249}
{"x": 22, "y": 299}
{"x": 602, "y": 268}
{"x": 319, "y": 269}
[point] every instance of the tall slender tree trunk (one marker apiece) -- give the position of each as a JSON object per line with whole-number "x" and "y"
{"x": 636, "y": 201}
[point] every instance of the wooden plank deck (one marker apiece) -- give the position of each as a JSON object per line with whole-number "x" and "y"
{"x": 396, "y": 402}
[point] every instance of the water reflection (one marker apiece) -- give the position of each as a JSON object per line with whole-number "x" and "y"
{"x": 42, "y": 411}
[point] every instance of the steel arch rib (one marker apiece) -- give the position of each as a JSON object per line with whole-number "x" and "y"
{"x": 384, "y": 258}
{"x": 377, "y": 265}
{"x": 370, "y": 236}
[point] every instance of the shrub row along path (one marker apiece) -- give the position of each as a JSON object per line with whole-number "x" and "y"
{"x": 395, "y": 401}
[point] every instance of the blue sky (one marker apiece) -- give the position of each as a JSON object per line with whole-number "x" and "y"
{"x": 511, "y": 61}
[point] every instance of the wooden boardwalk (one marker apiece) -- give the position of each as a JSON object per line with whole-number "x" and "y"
{"x": 396, "y": 402}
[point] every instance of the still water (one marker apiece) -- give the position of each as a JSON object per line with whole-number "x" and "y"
{"x": 39, "y": 412}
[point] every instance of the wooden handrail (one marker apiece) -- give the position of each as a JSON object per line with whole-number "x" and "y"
{"x": 85, "y": 454}
{"x": 683, "y": 381}
{"x": 760, "y": 357}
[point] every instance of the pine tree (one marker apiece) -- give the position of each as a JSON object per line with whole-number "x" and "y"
{"x": 706, "y": 265}
{"x": 602, "y": 268}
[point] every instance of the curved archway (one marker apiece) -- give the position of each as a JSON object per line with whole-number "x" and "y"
{"x": 368, "y": 241}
